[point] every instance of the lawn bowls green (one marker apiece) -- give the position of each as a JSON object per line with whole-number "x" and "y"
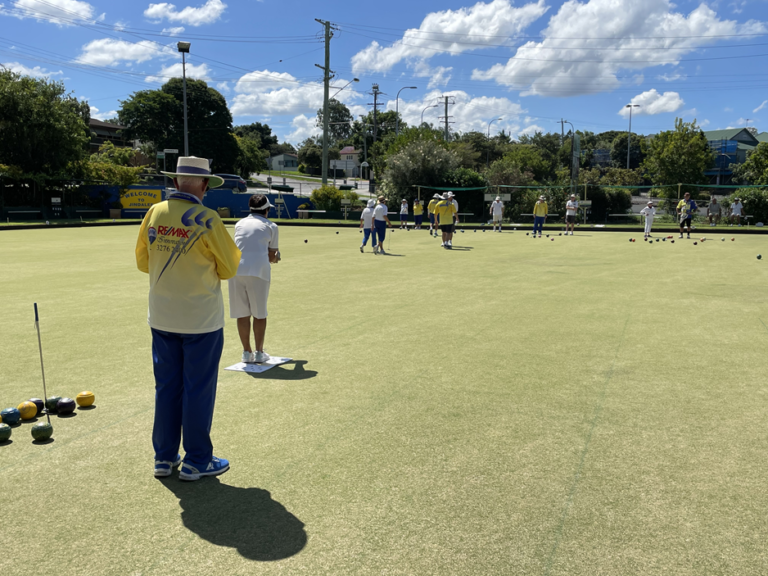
{"x": 42, "y": 431}
{"x": 52, "y": 402}
{"x": 5, "y": 433}
{"x": 10, "y": 416}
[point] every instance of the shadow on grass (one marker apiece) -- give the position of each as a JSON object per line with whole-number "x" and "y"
{"x": 6, "y": 443}
{"x": 43, "y": 442}
{"x": 246, "y": 519}
{"x": 282, "y": 373}
{"x": 86, "y": 408}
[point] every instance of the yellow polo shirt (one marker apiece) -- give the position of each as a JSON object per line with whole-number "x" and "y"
{"x": 431, "y": 205}
{"x": 444, "y": 212}
{"x": 187, "y": 251}
{"x": 540, "y": 209}
{"x": 418, "y": 209}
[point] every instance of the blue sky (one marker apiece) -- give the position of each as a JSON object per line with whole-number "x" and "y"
{"x": 528, "y": 62}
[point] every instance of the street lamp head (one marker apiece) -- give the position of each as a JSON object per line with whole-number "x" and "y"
{"x": 355, "y": 79}
{"x": 183, "y": 46}
{"x": 411, "y": 87}
{"x": 632, "y": 106}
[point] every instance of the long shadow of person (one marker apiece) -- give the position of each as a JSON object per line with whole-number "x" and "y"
{"x": 282, "y": 373}
{"x": 243, "y": 518}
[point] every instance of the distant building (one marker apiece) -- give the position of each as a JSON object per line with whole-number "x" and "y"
{"x": 102, "y": 132}
{"x": 283, "y": 162}
{"x": 349, "y": 161}
{"x": 730, "y": 147}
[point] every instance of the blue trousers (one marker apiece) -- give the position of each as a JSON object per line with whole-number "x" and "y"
{"x": 367, "y": 234}
{"x": 417, "y": 219}
{"x": 381, "y": 231}
{"x": 538, "y": 221}
{"x": 186, "y": 370}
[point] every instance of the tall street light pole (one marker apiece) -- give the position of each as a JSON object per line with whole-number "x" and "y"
{"x": 629, "y": 135}
{"x": 488, "y": 151}
{"x": 573, "y": 135}
{"x": 425, "y": 109}
{"x": 184, "y": 49}
{"x": 397, "y": 108}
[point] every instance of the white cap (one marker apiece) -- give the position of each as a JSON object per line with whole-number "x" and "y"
{"x": 438, "y": 196}
{"x": 650, "y": 201}
{"x": 449, "y": 194}
{"x": 498, "y": 198}
{"x": 371, "y": 203}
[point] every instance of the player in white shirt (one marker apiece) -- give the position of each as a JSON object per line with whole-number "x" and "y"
{"x": 257, "y": 239}
{"x": 649, "y": 212}
{"x": 380, "y": 223}
{"x": 403, "y": 214}
{"x": 366, "y": 223}
{"x": 497, "y": 211}
{"x": 571, "y": 208}
{"x": 736, "y": 209}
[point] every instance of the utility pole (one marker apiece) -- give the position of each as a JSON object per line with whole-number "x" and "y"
{"x": 375, "y": 93}
{"x": 327, "y": 75}
{"x": 447, "y": 118}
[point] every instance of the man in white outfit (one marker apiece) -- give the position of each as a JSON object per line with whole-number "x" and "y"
{"x": 366, "y": 223}
{"x": 257, "y": 239}
{"x": 649, "y": 212}
{"x": 736, "y": 209}
{"x": 571, "y": 208}
{"x": 497, "y": 211}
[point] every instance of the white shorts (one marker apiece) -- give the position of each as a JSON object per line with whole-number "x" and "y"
{"x": 496, "y": 218}
{"x": 248, "y": 297}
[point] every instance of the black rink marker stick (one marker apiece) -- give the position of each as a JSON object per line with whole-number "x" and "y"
{"x": 42, "y": 368}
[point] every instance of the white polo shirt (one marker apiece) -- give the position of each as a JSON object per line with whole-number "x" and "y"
{"x": 380, "y": 212}
{"x": 570, "y": 207}
{"x": 366, "y": 217}
{"x": 498, "y": 208}
{"x": 736, "y": 208}
{"x": 403, "y": 208}
{"x": 254, "y": 236}
{"x": 648, "y": 212}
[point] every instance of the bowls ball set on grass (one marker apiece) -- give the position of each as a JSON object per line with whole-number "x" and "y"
{"x": 85, "y": 399}
{"x": 65, "y": 406}
{"x": 5, "y": 433}
{"x": 27, "y": 410}
{"x": 10, "y": 416}
{"x": 42, "y": 431}
{"x": 51, "y": 403}
{"x": 39, "y": 403}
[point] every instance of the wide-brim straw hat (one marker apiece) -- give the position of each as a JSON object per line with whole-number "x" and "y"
{"x": 194, "y": 167}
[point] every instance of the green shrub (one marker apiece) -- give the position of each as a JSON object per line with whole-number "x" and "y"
{"x": 755, "y": 202}
{"x": 302, "y": 168}
{"x": 327, "y": 198}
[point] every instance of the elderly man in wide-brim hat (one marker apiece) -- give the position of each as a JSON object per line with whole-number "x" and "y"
{"x": 187, "y": 252}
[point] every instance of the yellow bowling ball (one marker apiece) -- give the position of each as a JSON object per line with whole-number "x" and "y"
{"x": 28, "y": 410}
{"x": 85, "y": 399}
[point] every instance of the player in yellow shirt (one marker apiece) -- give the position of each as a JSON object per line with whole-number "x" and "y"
{"x": 445, "y": 213}
{"x": 540, "y": 210}
{"x": 431, "y": 209}
{"x": 187, "y": 252}
{"x": 418, "y": 214}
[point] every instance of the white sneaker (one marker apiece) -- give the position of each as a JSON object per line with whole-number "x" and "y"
{"x": 442, "y": 244}
{"x": 375, "y": 249}
{"x": 248, "y": 357}
{"x": 260, "y": 357}
{"x": 450, "y": 243}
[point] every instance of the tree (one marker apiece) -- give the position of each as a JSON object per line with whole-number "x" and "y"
{"x": 755, "y": 169}
{"x": 424, "y": 163}
{"x": 679, "y": 156}
{"x": 158, "y": 116}
{"x": 327, "y": 197}
{"x": 250, "y": 158}
{"x": 638, "y": 152}
{"x": 257, "y": 131}
{"x": 42, "y": 128}
{"x": 340, "y": 122}
{"x": 529, "y": 159}
{"x": 311, "y": 154}
{"x": 284, "y": 148}
{"x": 110, "y": 154}
{"x": 553, "y": 152}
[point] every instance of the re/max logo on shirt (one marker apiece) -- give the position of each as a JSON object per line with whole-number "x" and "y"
{"x": 173, "y": 231}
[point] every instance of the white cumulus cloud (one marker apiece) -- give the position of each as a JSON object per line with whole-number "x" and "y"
{"x": 586, "y": 44}
{"x": 451, "y": 31}
{"x": 763, "y": 105}
{"x": 651, "y": 102}
{"x": 208, "y": 13}
{"x": 37, "y": 71}
{"x": 303, "y": 127}
{"x": 108, "y": 51}
{"x": 175, "y": 31}
{"x": 199, "y": 72}
{"x": 264, "y": 92}
{"x": 61, "y": 12}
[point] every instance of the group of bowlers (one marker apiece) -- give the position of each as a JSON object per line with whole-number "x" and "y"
{"x": 685, "y": 211}
{"x": 443, "y": 213}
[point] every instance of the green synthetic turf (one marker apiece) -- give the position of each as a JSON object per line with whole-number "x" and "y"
{"x": 580, "y": 406}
